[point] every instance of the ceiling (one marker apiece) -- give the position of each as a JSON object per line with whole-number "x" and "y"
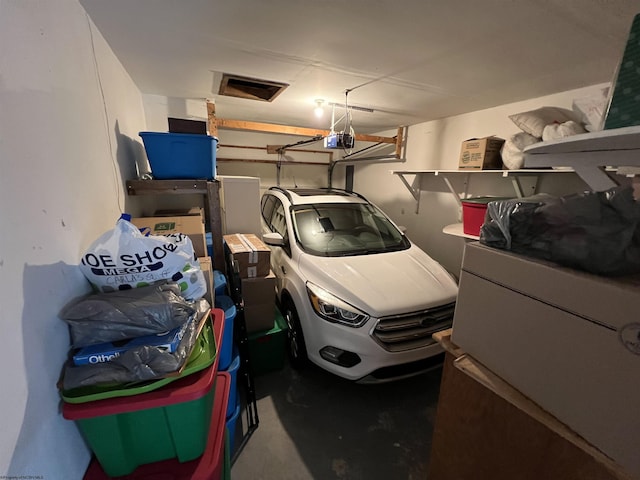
{"x": 409, "y": 60}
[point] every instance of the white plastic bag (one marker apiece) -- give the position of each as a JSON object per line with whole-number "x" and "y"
{"x": 512, "y": 150}
{"x": 562, "y": 130}
{"x": 124, "y": 258}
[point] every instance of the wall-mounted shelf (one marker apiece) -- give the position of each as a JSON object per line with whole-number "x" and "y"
{"x": 456, "y": 229}
{"x": 595, "y": 157}
{"x": 589, "y": 154}
{"x": 524, "y": 182}
{"x": 456, "y": 182}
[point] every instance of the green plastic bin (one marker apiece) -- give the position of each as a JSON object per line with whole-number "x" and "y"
{"x": 171, "y": 422}
{"x": 267, "y": 349}
{"x": 213, "y": 464}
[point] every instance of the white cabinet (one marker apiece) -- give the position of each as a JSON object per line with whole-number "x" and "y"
{"x": 240, "y": 204}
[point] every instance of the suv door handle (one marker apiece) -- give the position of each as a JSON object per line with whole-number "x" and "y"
{"x": 284, "y": 271}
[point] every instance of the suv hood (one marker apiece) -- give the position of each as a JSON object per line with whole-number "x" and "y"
{"x": 384, "y": 283}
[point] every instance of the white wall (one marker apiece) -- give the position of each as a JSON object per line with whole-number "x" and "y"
{"x": 436, "y": 145}
{"x": 70, "y": 115}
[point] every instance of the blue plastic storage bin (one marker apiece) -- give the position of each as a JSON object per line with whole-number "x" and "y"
{"x": 219, "y": 283}
{"x": 180, "y": 155}
{"x": 233, "y": 390}
{"x": 226, "y": 303}
{"x": 208, "y": 236}
{"x": 231, "y": 426}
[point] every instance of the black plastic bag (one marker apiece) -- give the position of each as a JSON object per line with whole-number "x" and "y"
{"x": 593, "y": 231}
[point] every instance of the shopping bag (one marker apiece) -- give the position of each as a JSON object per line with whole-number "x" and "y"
{"x": 124, "y": 258}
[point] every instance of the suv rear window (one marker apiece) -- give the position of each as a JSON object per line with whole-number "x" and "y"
{"x": 342, "y": 229}
{"x": 268, "y": 201}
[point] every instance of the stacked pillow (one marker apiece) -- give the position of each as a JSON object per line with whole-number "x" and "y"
{"x": 542, "y": 124}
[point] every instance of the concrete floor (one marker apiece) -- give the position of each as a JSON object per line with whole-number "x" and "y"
{"x": 314, "y": 425}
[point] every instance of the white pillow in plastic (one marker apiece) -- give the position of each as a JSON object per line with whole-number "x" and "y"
{"x": 534, "y": 121}
{"x": 562, "y": 130}
{"x": 511, "y": 152}
{"x": 591, "y": 109}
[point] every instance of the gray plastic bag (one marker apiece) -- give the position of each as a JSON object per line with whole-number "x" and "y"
{"x": 140, "y": 364}
{"x": 125, "y": 314}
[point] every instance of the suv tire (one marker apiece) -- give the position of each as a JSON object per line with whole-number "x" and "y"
{"x": 296, "y": 347}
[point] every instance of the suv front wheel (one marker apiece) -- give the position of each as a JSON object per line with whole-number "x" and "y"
{"x": 295, "y": 339}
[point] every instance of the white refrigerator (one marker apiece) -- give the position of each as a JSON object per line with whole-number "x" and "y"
{"x": 240, "y": 204}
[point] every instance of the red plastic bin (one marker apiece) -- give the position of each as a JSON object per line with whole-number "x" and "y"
{"x": 473, "y": 213}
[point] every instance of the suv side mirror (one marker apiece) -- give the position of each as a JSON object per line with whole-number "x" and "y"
{"x": 273, "y": 239}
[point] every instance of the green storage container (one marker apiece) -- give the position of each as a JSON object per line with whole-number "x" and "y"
{"x": 171, "y": 422}
{"x": 267, "y": 349}
{"x": 213, "y": 464}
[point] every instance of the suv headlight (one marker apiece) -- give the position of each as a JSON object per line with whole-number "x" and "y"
{"x": 333, "y": 309}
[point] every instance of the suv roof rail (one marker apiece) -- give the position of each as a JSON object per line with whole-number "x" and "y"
{"x": 282, "y": 190}
{"x": 350, "y": 193}
{"x": 347, "y": 192}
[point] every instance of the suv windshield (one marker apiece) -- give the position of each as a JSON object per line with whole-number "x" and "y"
{"x": 342, "y": 229}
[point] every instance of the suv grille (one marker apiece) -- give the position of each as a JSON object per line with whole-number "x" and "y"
{"x": 412, "y": 330}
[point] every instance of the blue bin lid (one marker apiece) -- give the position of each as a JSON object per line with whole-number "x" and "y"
{"x": 226, "y": 303}
{"x": 218, "y": 278}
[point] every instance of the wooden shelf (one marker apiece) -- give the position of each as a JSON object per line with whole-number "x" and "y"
{"x": 210, "y": 190}
{"x": 175, "y": 187}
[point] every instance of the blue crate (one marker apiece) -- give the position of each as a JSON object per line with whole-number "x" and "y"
{"x": 231, "y": 424}
{"x": 180, "y": 155}
{"x": 225, "y": 355}
{"x": 219, "y": 282}
{"x": 233, "y": 391}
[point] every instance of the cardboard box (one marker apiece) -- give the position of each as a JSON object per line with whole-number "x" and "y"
{"x": 567, "y": 339}
{"x": 481, "y": 154}
{"x": 181, "y": 212}
{"x": 259, "y": 298}
{"x": 250, "y": 253}
{"x": 190, "y": 225}
{"x": 206, "y": 267}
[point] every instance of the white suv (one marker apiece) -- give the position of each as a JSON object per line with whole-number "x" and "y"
{"x": 360, "y": 300}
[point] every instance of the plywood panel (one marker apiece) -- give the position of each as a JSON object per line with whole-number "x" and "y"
{"x": 479, "y": 435}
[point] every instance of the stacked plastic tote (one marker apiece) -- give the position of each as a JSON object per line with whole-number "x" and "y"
{"x": 174, "y": 427}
